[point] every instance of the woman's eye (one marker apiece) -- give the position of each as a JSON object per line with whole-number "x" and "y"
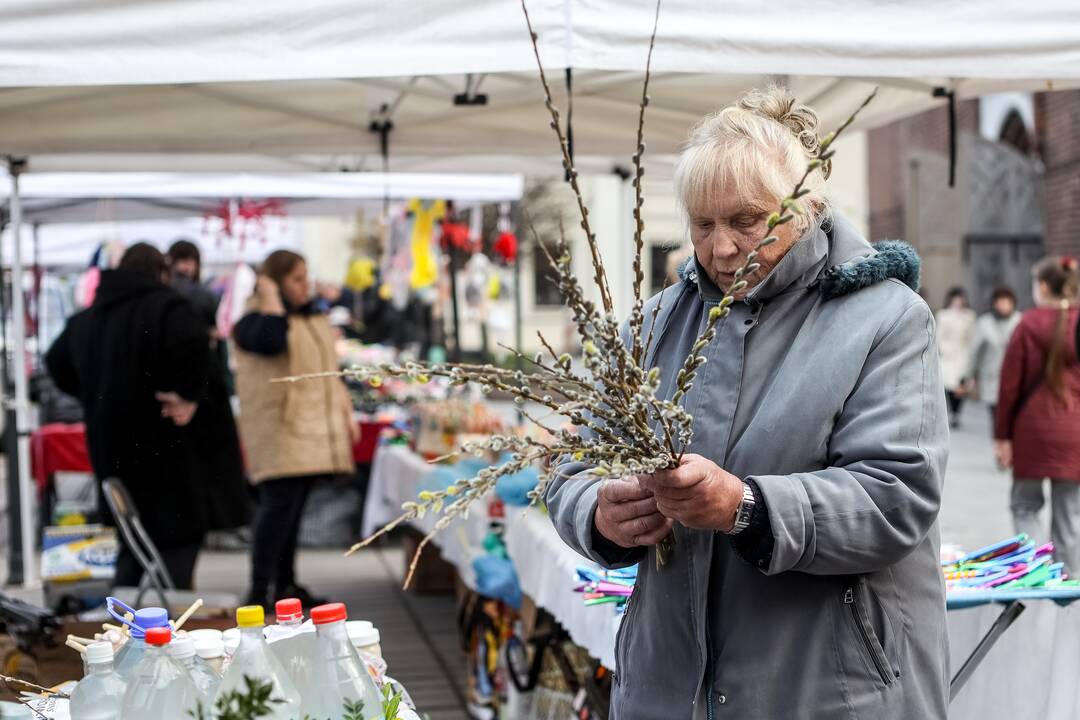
{"x": 704, "y": 225}
{"x": 744, "y": 222}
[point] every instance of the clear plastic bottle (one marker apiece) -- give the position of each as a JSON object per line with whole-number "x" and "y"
{"x": 254, "y": 659}
{"x": 339, "y": 673}
{"x": 182, "y": 650}
{"x": 212, "y": 651}
{"x": 293, "y": 642}
{"x": 99, "y": 694}
{"x": 159, "y": 688}
{"x": 132, "y": 651}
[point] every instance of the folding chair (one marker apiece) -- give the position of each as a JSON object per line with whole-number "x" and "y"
{"x": 155, "y": 574}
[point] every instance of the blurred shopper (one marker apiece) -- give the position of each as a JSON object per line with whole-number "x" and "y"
{"x": 137, "y": 359}
{"x": 293, "y": 433}
{"x": 992, "y": 333}
{"x": 221, "y": 463}
{"x": 1038, "y": 412}
{"x": 955, "y": 328}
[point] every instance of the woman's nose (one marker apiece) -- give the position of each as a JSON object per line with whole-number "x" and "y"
{"x": 723, "y": 247}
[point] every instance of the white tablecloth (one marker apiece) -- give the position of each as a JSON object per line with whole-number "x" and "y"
{"x": 544, "y": 564}
{"x": 1030, "y": 674}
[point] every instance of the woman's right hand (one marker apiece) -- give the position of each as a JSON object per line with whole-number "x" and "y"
{"x": 1003, "y": 451}
{"x": 626, "y": 514}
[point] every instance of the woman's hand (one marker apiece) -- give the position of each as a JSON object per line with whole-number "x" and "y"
{"x": 269, "y": 295}
{"x": 699, "y": 494}
{"x": 626, "y": 514}
{"x": 1003, "y": 451}
{"x": 176, "y": 408}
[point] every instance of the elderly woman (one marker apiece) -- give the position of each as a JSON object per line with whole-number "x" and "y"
{"x": 804, "y": 582}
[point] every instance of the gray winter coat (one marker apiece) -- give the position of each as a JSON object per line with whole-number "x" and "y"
{"x": 824, "y": 387}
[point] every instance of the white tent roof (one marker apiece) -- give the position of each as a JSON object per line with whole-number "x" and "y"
{"x": 88, "y": 196}
{"x": 276, "y": 84}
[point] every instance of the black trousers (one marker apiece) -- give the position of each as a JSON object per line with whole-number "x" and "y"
{"x": 277, "y": 526}
{"x": 179, "y": 561}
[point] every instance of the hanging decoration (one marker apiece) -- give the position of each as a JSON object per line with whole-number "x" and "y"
{"x": 425, "y": 266}
{"x": 242, "y": 220}
{"x": 506, "y": 247}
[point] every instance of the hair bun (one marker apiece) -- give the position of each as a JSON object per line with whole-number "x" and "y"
{"x": 1068, "y": 263}
{"x": 778, "y": 103}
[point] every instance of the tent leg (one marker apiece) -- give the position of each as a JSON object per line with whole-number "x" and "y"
{"x": 22, "y": 405}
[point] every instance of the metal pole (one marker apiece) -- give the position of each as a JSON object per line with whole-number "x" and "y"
{"x": 22, "y": 404}
{"x": 11, "y": 453}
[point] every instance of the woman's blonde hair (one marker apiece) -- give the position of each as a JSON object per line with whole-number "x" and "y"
{"x": 759, "y": 147}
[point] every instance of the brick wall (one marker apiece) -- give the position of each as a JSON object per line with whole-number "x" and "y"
{"x": 1057, "y": 117}
{"x": 888, "y": 150}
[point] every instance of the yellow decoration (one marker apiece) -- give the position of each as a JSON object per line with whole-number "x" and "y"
{"x": 425, "y": 266}
{"x": 494, "y": 286}
{"x": 385, "y": 292}
{"x": 360, "y": 275}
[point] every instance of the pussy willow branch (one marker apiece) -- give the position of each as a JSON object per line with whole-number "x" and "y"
{"x": 629, "y": 430}
{"x": 636, "y": 317}
{"x": 571, "y": 172}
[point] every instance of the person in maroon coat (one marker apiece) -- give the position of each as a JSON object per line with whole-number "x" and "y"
{"x": 1037, "y": 426}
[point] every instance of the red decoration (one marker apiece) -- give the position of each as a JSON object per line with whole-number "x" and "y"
{"x": 506, "y": 246}
{"x": 456, "y": 235}
{"x": 241, "y": 219}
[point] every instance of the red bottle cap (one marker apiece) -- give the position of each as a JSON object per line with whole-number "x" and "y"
{"x": 334, "y": 612}
{"x": 288, "y": 609}
{"x": 158, "y": 636}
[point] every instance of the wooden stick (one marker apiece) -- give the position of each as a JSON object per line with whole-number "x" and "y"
{"x": 187, "y": 614}
{"x": 82, "y": 640}
{"x": 75, "y": 646}
{"x": 32, "y": 686}
{"x": 110, "y": 626}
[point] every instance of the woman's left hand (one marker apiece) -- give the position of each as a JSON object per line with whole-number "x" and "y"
{"x": 699, "y": 494}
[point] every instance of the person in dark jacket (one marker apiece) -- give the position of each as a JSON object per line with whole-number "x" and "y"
{"x": 221, "y": 463}
{"x": 137, "y": 359}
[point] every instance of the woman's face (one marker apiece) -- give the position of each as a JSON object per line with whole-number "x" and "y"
{"x": 295, "y": 287}
{"x": 1004, "y": 306}
{"x": 725, "y": 230}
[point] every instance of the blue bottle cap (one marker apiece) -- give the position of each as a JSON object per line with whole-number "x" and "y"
{"x": 147, "y": 618}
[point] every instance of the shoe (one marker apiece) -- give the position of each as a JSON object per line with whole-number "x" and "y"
{"x": 302, "y": 594}
{"x": 255, "y": 597}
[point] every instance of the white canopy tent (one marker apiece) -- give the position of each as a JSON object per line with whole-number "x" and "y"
{"x": 279, "y": 85}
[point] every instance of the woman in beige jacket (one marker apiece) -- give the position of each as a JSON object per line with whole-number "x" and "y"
{"x": 293, "y": 433}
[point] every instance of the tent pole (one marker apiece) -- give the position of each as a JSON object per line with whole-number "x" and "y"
{"x": 22, "y": 405}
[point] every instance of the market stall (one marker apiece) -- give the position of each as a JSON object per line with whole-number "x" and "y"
{"x": 548, "y": 574}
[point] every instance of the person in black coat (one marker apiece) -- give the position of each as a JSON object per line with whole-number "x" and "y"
{"x": 137, "y": 359}
{"x": 214, "y": 427}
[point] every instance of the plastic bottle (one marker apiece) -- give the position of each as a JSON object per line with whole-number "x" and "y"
{"x": 159, "y": 688}
{"x": 182, "y": 650}
{"x": 212, "y": 651}
{"x": 254, "y": 659}
{"x": 99, "y": 694}
{"x": 132, "y": 651}
{"x": 339, "y": 672}
{"x": 365, "y": 637}
{"x": 293, "y": 642}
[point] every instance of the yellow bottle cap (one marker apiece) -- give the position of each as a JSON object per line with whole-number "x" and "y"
{"x": 250, "y": 616}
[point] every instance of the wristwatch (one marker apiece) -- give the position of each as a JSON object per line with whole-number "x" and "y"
{"x": 745, "y": 510}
